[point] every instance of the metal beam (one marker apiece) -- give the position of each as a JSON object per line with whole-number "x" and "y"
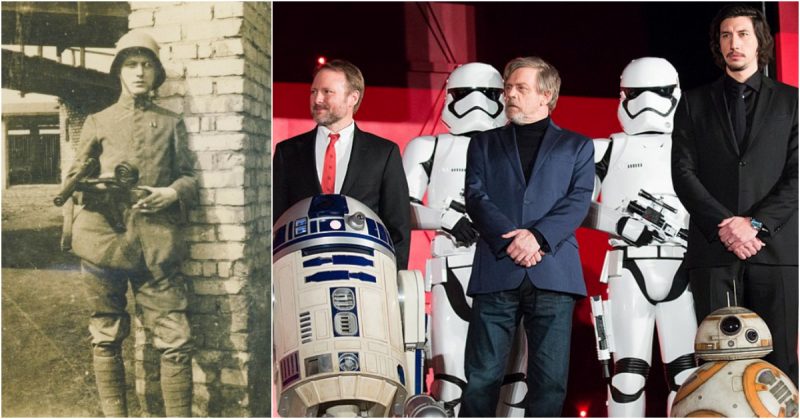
{"x": 64, "y": 24}
{"x": 109, "y": 9}
{"x": 75, "y": 85}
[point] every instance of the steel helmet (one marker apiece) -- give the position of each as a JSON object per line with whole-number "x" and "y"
{"x": 141, "y": 42}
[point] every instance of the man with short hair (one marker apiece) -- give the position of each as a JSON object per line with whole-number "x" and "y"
{"x": 134, "y": 235}
{"x": 338, "y": 158}
{"x": 528, "y": 188}
{"x": 734, "y": 167}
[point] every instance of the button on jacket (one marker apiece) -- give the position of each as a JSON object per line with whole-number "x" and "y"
{"x": 553, "y": 201}
{"x": 715, "y": 179}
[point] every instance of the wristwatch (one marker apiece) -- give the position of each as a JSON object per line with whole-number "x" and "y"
{"x": 757, "y": 225}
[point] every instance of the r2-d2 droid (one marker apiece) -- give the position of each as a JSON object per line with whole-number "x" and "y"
{"x": 735, "y": 381}
{"x": 647, "y": 224}
{"x": 348, "y": 328}
{"x": 436, "y": 165}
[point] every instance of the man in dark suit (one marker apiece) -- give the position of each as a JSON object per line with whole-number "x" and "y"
{"x": 734, "y": 166}
{"x": 337, "y": 157}
{"x": 528, "y": 187}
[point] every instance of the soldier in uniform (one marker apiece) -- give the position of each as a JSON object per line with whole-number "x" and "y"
{"x": 144, "y": 247}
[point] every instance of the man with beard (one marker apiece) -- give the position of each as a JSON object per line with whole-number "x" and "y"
{"x": 528, "y": 188}
{"x": 734, "y": 167}
{"x": 344, "y": 159}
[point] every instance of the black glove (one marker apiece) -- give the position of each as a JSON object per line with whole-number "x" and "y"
{"x": 464, "y": 232}
{"x": 636, "y": 233}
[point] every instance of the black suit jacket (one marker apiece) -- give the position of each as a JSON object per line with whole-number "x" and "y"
{"x": 715, "y": 180}
{"x": 374, "y": 176}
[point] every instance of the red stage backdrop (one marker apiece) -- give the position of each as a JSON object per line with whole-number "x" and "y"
{"x": 412, "y": 114}
{"x": 401, "y": 114}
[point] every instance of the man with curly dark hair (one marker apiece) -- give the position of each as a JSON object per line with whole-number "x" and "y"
{"x": 734, "y": 167}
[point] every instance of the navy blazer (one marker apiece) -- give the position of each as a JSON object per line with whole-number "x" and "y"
{"x": 555, "y": 202}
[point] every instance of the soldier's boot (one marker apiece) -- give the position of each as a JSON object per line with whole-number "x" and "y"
{"x": 176, "y": 387}
{"x": 109, "y": 373}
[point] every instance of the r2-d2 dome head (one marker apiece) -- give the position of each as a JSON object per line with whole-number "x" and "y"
{"x": 649, "y": 95}
{"x": 474, "y": 99}
{"x": 732, "y": 333}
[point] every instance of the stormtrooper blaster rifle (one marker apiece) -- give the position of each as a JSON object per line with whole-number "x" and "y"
{"x": 601, "y": 320}
{"x": 652, "y": 214}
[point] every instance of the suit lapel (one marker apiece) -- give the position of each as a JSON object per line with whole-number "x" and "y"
{"x": 762, "y": 105}
{"x": 720, "y": 109}
{"x": 357, "y": 155}
{"x": 548, "y": 142}
{"x": 309, "y": 164}
{"x": 508, "y": 141}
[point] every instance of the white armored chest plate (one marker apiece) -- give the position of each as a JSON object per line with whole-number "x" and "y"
{"x": 448, "y": 171}
{"x": 640, "y": 162}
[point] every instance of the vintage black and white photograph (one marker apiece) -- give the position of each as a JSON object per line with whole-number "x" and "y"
{"x": 136, "y": 209}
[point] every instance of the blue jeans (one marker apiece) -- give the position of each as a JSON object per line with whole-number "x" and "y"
{"x": 547, "y": 317}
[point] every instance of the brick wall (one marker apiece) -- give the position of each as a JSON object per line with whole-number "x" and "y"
{"x": 71, "y": 116}
{"x": 217, "y": 58}
{"x": 70, "y": 121}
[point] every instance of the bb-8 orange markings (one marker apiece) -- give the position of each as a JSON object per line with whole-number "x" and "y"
{"x": 735, "y": 382}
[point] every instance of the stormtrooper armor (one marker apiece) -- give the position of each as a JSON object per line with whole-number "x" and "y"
{"x": 735, "y": 382}
{"x": 349, "y": 329}
{"x": 647, "y": 223}
{"x": 437, "y": 165}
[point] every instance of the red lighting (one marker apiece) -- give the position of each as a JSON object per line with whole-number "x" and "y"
{"x": 582, "y": 413}
{"x": 321, "y": 60}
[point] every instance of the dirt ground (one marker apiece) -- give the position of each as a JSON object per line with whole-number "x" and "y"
{"x": 46, "y": 358}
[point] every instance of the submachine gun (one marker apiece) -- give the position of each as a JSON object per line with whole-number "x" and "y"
{"x": 110, "y": 196}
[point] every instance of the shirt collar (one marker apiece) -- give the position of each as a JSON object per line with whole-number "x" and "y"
{"x": 128, "y": 101}
{"x": 754, "y": 82}
{"x": 345, "y": 133}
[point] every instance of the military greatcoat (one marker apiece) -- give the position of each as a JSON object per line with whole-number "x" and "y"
{"x": 154, "y": 140}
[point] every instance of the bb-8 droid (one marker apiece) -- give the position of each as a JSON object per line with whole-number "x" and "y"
{"x": 735, "y": 382}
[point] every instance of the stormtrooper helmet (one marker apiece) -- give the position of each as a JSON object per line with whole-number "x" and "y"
{"x": 649, "y": 94}
{"x": 474, "y": 99}
{"x": 732, "y": 333}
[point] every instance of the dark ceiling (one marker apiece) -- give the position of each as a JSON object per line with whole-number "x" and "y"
{"x": 589, "y": 42}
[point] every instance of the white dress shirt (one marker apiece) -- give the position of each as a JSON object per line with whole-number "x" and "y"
{"x": 343, "y": 146}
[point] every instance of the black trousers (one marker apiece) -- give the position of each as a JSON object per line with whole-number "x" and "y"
{"x": 769, "y": 290}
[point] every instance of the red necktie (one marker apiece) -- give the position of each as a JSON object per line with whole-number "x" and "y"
{"x": 329, "y": 166}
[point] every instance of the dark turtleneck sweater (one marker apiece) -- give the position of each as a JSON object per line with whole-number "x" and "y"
{"x": 529, "y": 137}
